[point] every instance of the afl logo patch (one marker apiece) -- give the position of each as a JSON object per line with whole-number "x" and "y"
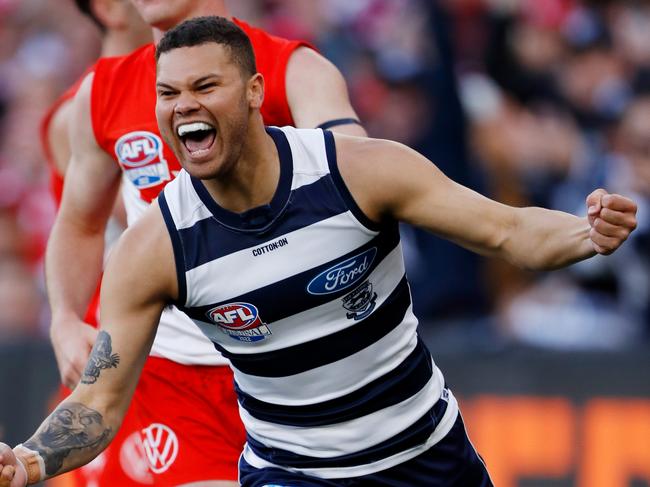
{"x": 137, "y": 149}
{"x": 240, "y": 321}
{"x": 141, "y": 156}
{"x": 344, "y": 274}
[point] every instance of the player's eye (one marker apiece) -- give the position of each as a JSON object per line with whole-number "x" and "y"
{"x": 165, "y": 93}
{"x": 205, "y": 87}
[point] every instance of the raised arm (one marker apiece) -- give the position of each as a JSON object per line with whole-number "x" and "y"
{"x": 317, "y": 93}
{"x": 139, "y": 281}
{"x": 389, "y": 180}
{"x": 75, "y": 250}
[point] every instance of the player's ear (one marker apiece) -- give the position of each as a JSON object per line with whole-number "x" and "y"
{"x": 255, "y": 90}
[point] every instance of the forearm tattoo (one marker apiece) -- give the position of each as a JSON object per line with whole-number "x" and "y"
{"x": 101, "y": 357}
{"x": 72, "y": 426}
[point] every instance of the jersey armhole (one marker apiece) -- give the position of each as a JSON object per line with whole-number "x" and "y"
{"x": 97, "y": 105}
{"x": 179, "y": 256}
{"x": 94, "y": 103}
{"x": 341, "y": 187}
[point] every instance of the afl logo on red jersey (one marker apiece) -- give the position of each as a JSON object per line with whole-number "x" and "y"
{"x": 240, "y": 321}
{"x": 140, "y": 154}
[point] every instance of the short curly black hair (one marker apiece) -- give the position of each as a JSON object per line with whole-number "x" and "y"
{"x": 202, "y": 30}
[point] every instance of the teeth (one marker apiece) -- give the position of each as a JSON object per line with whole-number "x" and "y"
{"x": 186, "y": 128}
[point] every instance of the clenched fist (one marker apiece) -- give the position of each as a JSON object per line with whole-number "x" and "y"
{"x": 12, "y": 472}
{"x": 612, "y": 218}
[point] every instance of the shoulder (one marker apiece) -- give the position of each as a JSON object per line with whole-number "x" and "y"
{"x": 144, "y": 256}
{"x": 80, "y": 112}
{"x": 57, "y": 133}
{"x": 306, "y": 67}
{"x": 369, "y": 169}
{"x": 381, "y": 174}
{"x": 368, "y": 155}
{"x": 317, "y": 92}
{"x": 147, "y": 231}
{"x": 80, "y": 118}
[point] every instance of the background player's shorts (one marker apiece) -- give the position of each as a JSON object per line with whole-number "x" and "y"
{"x": 190, "y": 419}
{"x": 452, "y": 462}
{"x": 123, "y": 463}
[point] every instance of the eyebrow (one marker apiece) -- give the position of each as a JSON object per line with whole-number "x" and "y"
{"x": 205, "y": 78}
{"x": 164, "y": 85}
{"x": 198, "y": 81}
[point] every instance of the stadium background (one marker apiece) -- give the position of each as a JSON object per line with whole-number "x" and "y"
{"x": 531, "y": 102}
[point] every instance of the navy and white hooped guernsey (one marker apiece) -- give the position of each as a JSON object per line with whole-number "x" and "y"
{"x": 309, "y": 301}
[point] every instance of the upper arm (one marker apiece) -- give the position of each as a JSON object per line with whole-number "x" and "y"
{"x": 390, "y": 180}
{"x": 92, "y": 178}
{"x": 58, "y": 137}
{"x": 317, "y": 92}
{"x": 139, "y": 281}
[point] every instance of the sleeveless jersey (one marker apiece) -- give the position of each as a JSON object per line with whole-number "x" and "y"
{"x": 123, "y": 101}
{"x": 309, "y": 301}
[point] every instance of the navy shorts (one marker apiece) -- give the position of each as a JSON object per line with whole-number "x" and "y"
{"x": 452, "y": 462}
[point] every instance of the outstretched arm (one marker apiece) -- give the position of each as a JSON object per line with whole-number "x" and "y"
{"x": 317, "y": 93}
{"x": 389, "y": 180}
{"x": 139, "y": 281}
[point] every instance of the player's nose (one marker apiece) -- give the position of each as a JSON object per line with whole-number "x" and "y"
{"x": 186, "y": 103}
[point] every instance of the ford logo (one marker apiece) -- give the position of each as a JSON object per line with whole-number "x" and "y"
{"x": 343, "y": 274}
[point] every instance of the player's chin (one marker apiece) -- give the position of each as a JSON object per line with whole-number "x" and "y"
{"x": 202, "y": 169}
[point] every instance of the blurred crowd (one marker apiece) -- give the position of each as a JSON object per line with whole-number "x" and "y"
{"x": 528, "y": 101}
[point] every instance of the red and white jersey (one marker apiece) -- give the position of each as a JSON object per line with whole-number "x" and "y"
{"x": 123, "y": 104}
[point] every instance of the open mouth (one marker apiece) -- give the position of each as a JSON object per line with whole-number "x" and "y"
{"x": 197, "y": 137}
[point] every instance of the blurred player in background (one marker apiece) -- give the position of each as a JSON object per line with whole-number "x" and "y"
{"x": 116, "y": 137}
{"x": 122, "y": 31}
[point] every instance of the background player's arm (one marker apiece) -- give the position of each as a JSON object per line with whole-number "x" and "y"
{"x": 390, "y": 180}
{"x": 140, "y": 280}
{"x": 58, "y": 137}
{"x": 75, "y": 250}
{"x": 317, "y": 93}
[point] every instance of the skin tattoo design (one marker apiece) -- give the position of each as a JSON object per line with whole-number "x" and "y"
{"x": 72, "y": 426}
{"x": 100, "y": 358}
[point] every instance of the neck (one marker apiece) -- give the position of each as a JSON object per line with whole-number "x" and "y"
{"x": 213, "y": 7}
{"x": 118, "y": 43}
{"x": 255, "y": 175}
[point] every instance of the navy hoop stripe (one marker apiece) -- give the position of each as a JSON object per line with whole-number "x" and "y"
{"x": 398, "y": 385}
{"x": 316, "y": 353}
